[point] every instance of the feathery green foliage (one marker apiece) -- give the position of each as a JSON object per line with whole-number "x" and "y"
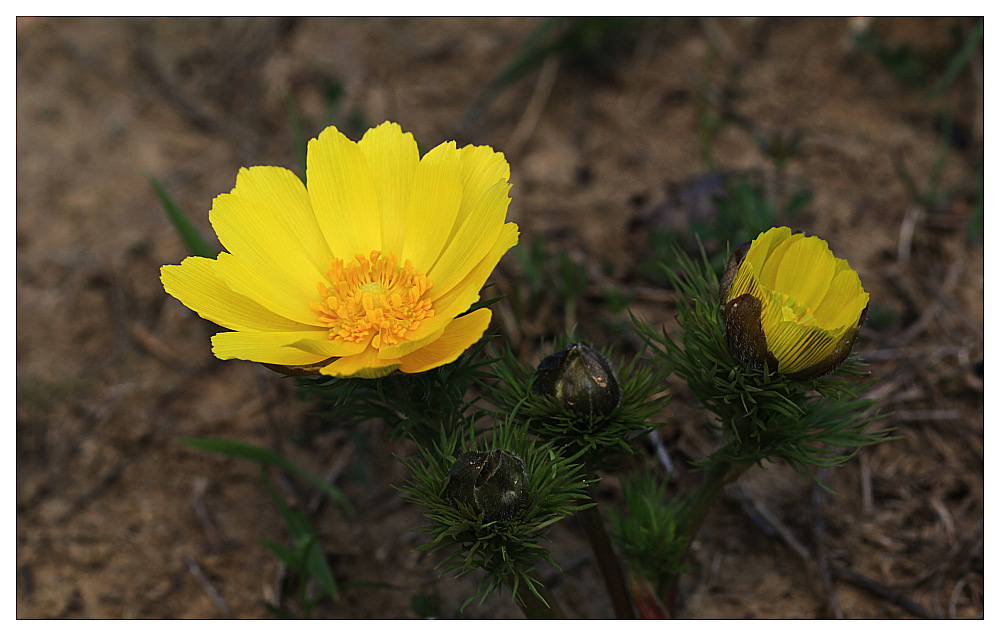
{"x": 506, "y": 551}
{"x": 646, "y": 526}
{"x": 595, "y": 435}
{"x": 762, "y": 414}
{"x": 415, "y": 406}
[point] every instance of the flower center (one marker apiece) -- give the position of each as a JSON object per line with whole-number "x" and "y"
{"x": 373, "y": 297}
{"x": 792, "y": 311}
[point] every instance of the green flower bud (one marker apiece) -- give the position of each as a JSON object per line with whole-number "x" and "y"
{"x": 494, "y": 484}
{"x": 580, "y": 379}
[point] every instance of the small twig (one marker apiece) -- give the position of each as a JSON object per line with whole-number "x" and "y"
{"x": 718, "y": 39}
{"x": 955, "y": 595}
{"x": 964, "y": 545}
{"x": 936, "y": 586}
{"x": 156, "y": 348}
{"x": 210, "y": 589}
{"x": 819, "y": 534}
{"x": 928, "y": 310}
{"x": 928, "y": 414}
{"x": 845, "y": 574}
{"x": 661, "y": 451}
{"x": 943, "y": 296}
{"x": 867, "y": 496}
{"x": 320, "y": 498}
{"x": 775, "y": 524}
{"x": 279, "y": 584}
{"x": 198, "y": 503}
{"x": 859, "y": 580}
{"x": 906, "y": 231}
{"x": 533, "y": 111}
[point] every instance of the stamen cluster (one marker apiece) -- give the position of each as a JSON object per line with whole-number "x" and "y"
{"x": 373, "y": 297}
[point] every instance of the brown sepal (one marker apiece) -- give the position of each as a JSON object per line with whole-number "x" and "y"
{"x": 298, "y": 370}
{"x": 744, "y": 334}
{"x": 836, "y": 357}
{"x": 732, "y": 267}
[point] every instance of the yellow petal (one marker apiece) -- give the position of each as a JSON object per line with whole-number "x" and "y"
{"x": 268, "y": 288}
{"x": 195, "y": 284}
{"x": 342, "y": 191}
{"x": 473, "y": 240}
{"x": 761, "y": 247}
{"x": 321, "y": 345}
{"x": 268, "y": 223}
{"x": 843, "y": 301}
{"x": 362, "y": 365}
{"x": 409, "y": 345}
{"x": 433, "y": 208}
{"x": 466, "y": 292}
{"x": 392, "y": 157}
{"x": 798, "y": 347}
{"x": 482, "y": 169}
{"x": 264, "y": 346}
{"x": 767, "y": 273}
{"x": 745, "y": 282}
{"x": 461, "y": 334}
{"x": 807, "y": 270}
{"x": 470, "y": 285}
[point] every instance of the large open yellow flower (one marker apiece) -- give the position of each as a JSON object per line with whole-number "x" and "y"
{"x": 787, "y": 301}
{"x": 365, "y": 272}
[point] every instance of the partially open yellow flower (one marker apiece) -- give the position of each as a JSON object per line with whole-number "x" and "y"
{"x": 788, "y": 302}
{"x": 367, "y": 270}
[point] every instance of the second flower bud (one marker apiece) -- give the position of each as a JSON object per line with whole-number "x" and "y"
{"x": 581, "y": 379}
{"x": 494, "y": 484}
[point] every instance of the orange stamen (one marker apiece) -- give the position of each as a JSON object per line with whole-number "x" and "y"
{"x": 373, "y": 298}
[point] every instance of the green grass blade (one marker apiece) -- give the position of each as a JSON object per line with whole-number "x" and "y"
{"x": 195, "y": 242}
{"x": 265, "y": 457}
{"x": 283, "y": 553}
{"x": 957, "y": 63}
{"x": 318, "y": 568}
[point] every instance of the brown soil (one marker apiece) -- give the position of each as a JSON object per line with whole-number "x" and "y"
{"x": 115, "y": 519}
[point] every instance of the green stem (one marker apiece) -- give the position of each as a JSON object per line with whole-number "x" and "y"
{"x": 533, "y": 607}
{"x": 695, "y": 511}
{"x": 606, "y": 559}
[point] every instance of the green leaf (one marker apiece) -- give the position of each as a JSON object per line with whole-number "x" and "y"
{"x": 192, "y": 237}
{"x": 265, "y": 457}
{"x": 307, "y": 554}
{"x": 318, "y": 568}
{"x": 957, "y": 63}
{"x": 278, "y": 612}
{"x": 283, "y": 553}
{"x": 298, "y": 523}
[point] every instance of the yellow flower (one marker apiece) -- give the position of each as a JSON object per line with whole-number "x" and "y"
{"x": 788, "y": 302}
{"x": 365, "y": 272}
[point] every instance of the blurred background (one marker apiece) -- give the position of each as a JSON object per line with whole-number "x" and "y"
{"x": 627, "y": 138}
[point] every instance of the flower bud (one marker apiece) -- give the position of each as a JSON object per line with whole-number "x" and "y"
{"x": 580, "y": 379}
{"x": 787, "y": 302}
{"x": 494, "y": 484}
